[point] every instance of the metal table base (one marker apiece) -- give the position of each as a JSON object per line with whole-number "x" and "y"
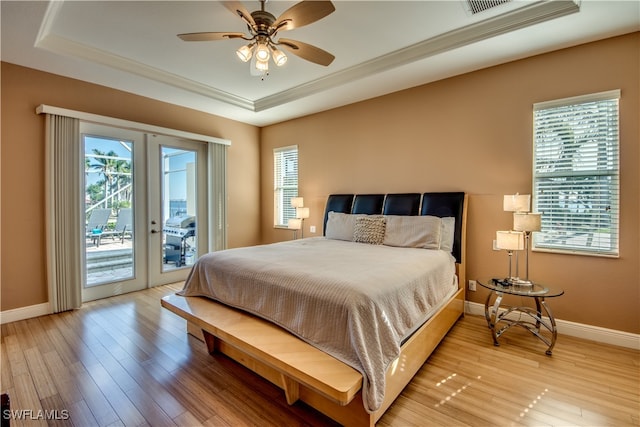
{"x": 497, "y": 314}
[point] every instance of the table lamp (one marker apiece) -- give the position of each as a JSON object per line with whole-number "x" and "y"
{"x": 297, "y": 202}
{"x": 527, "y": 223}
{"x": 516, "y": 202}
{"x": 302, "y": 214}
{"x": 294, "y": 224}
{"x": 510, "y": 241}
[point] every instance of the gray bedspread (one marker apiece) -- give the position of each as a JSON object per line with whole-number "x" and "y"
{"x": 354, "y": 301}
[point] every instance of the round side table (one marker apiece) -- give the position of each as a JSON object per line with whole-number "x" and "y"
{"x": 501, "y": 317}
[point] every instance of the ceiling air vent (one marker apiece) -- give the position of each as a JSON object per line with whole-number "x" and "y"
{"x": 477, "y": 6}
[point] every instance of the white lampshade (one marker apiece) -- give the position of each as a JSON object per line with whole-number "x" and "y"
{"x": 262, "y": 52}
{"x": 526, "y": 221}
{"x": 510, "y": 240}
{"x": 302, "y": 213}
{"x": 245, "y": 53}
{"x": 262, "y": 65}
{"x": 278, "y": 56}
{"x": 517, "y": 202}
{"x": 297, "y": 202}
{"x": 294, "y": 224}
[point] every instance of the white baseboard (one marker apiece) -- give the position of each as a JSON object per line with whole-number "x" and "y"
{"x": 578, "y": 330}
{"x": 23, "y": 313}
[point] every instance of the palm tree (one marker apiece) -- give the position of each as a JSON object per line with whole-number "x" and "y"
{"x": 123, "y": 178}
{"x": 105, "y": 163}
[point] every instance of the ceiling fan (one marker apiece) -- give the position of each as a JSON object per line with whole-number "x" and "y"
{"x": 263, "y": 28}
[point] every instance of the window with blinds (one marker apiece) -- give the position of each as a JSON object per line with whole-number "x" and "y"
{"x": 285, "y": 161}
{"x": 576, "y": 174}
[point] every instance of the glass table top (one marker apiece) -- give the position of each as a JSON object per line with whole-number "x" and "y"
{"x": 533, "y": 289}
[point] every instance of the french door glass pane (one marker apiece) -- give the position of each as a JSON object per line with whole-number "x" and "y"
{"x": 179, "y": 207}
{"x": 109, "y": 210}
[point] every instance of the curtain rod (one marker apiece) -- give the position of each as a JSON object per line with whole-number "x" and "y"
{"x": 127, "y": 124}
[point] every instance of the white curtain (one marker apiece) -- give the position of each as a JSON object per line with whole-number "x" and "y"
{"x": 63, "y": 212}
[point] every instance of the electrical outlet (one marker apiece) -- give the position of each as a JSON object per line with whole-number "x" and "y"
{"x": 312, "y": 229}
{"x": 472, "y": 285}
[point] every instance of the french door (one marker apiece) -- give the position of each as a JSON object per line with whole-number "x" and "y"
{"x": 145, "y": 205}
{"x": 177, "y": 200}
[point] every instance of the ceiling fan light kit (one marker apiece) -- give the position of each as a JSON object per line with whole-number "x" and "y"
{"x": 263, "y": 28}
{"x": 263, "y": 51}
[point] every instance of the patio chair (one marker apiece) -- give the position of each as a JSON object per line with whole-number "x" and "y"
{"x": 123, "y": 224}
{"x": 97, "y": 224}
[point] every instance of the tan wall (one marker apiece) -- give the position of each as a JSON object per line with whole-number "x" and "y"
{"x": 474, "y": 133}
{"x": 23, "y": 242}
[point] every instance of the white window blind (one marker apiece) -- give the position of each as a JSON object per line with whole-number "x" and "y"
{"x": 576, "y": 174}
{"x": 285, "y": 161}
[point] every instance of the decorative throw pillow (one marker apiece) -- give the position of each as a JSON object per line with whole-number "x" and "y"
{"x": 369, "y": 229}
{"x": 340, "y": 226}
{"x": 413, "y": 232}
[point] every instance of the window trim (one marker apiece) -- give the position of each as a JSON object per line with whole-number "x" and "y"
{"x": 276, "y": 206}
{"x": 589, "y": 98}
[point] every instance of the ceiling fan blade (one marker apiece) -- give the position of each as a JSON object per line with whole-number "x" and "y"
{"x": 238, "y": 9}
{"x": 303, "y": 13}
{"x": 205, "y": 37}
{"x": 306, "y": 51}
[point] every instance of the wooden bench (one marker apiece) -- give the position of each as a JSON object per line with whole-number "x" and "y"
{"x": 302, "y": 371}
{"x": 267, "y": 349}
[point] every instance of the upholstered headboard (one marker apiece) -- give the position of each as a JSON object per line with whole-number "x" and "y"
{"x": 448, "y": 204}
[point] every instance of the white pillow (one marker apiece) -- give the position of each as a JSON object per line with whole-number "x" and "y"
{"x": 447, "y": 233}
{"x": 413, "y": 231}
{"x": 340, "y": 226}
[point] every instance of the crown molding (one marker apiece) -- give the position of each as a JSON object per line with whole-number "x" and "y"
{"x": 74, "y": 49}
{"x": 60, "y": 45}
{"x": 522, "y": 17}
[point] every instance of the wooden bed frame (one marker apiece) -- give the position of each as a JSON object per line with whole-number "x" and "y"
{"x": 301, "y": 370}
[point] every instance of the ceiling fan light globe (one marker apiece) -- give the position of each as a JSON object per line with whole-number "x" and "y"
{"x": 262, "y": 53}
{"x": 262, "y": 65}
{"x": 244, "y": 53}
{"x": 279, "y": 57}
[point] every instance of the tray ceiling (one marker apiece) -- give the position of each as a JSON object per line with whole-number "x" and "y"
{"x": 380, "y": 47}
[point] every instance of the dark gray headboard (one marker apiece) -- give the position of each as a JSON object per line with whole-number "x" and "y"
{"x": 437, "y": 204}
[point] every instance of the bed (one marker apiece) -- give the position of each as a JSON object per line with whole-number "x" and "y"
{"x": 342, "y": 321}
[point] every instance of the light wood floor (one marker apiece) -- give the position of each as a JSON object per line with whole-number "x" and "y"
{"x": 127, "y": 361}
